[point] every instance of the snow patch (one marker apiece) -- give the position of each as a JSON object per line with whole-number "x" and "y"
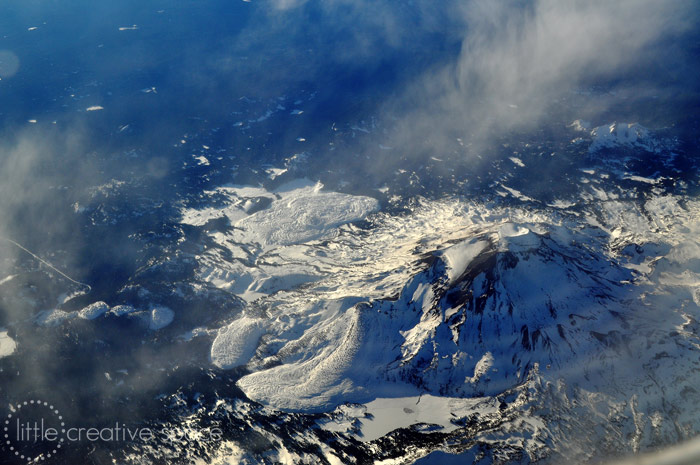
{"x": 384, "y": 415}
{"x": 459, "y": 256}
{"x": 517, "y": 161}
{"x": 160, "y": 317}
{"x": 7, "y": 344}
{"x": 274, "y": 173}
{"x": 119, "y": 310}
{"x": 623, "y": 135}
{"x": 580, "y": 125}
{"x": 236, "y": 343}
{"x": 93, "y": 310}
{"x": 53, "y": 317}
{"x": 482, "y": 367}
{"x": 303, "y": 214}
{"x": 7, "y": 279}
{"x": 201, "y": 160}
{"x": 515, "y": 237}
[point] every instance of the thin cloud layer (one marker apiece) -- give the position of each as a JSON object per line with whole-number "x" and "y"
{"x": 518, "y": 59}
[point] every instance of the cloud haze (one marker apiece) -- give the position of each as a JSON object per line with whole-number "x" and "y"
{"x": 518, "y": 59}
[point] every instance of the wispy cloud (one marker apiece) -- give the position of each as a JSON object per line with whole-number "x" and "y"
{"x": 518, "y": 59}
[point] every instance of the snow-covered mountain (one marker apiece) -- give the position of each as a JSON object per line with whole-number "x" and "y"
{"x": 567, "y": 317}
{"x": 349, "y": 231}
{"x": 500, "y": 322}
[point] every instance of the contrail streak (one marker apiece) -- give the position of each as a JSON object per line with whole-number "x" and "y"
{"x": 47, "y": 263}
